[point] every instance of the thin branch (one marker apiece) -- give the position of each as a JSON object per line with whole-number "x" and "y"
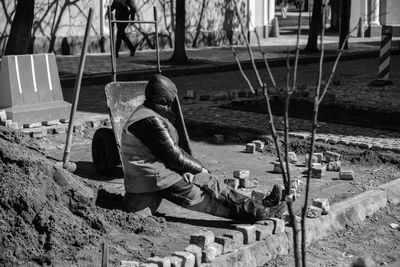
{"x": 296, "y": 61}
{"x": 241, "y": 70}
{"x": 260, "y": 83}
{"x": 265, "y": 59}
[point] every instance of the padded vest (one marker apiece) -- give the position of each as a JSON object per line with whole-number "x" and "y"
{"x": 143, "y": 171}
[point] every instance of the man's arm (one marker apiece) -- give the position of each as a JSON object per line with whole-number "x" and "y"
{"x": 132, "y": 8}
{"x": 154, "y": 134}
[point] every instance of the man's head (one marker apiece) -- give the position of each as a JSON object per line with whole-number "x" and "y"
{"x": 160, "y": 91}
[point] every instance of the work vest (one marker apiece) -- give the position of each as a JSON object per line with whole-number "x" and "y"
{"x": 143, "y": 171}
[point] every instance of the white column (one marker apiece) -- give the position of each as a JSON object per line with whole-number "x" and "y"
{"x": 271, "y": 11}
{"x": 375, "y": 12}
{"x": 252, "y": 12}
{"x": 364, "y": 11}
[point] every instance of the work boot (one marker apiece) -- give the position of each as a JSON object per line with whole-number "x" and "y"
{"x": 274, "y": 197}
{"x": 276, "y": 211}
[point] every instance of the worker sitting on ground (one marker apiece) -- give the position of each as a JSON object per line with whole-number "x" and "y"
{"x": 154, "y": 164}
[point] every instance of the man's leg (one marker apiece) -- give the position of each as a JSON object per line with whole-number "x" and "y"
{"x": 207, "y": 194}
{"x": 122, "y": 34}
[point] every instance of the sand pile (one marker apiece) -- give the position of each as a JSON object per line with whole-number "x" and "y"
{"x": 47, "y": 215}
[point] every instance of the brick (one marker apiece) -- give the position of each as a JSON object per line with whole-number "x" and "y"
{"x": 279, "y": 225}
{"x": 241, "y": 174}
{"x": 32, "y": 125}
{"x": 188, "y": 259}
{"x": 211, "y": 252}
{"x": 346, "y": 175}
{"x": 161, "y": 262}
{"x": 264, "y": 229}
{"x": 196, "y": 251}
{"x": 278, "y": 168}
{"x": 218, "y": 139}
{"x": 257, "y": 195}
{"x": 248, "y": 183}
{"x": 175, "y": 261}
{"x": 236, "y": 236}
{"x": 314, "y": 159}
{"x": 334, "y": 166}
{"x": 322, "y": 203}
{"x": 250, "y": 148}
{"x": 232, "y": 182}
{"x": 259, "y": 145}
{"x": 317, "y": 170}
{"x": 203, "y": 239}
{"x": 191, "y": 94}
{"x": 331, "y": 156}
{"x": 313, "y": 212}
{"x": 228, "y": 244}
{"x": 129, "y": 264}
{"x": 249, "y": 233}
{"x": 320, "y": 157}
{"x": 39, "y": 134}
{"x": 292, "y": 157}
{"x": 50, "y": 123}
{"x": 3, "y": 115}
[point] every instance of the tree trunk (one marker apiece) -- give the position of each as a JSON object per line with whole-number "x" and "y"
{"x": 344, "y": 22}
{"x": 194, "y": 44}
{"x": 179, "y": 55}
{"x": 315, "y": 27}
{"x": 21, "y": 28}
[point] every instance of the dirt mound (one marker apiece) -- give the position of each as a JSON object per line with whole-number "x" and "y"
{"x": 47, "y": 215}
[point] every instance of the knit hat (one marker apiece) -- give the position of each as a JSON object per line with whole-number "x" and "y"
{"x": 160, "y": 90}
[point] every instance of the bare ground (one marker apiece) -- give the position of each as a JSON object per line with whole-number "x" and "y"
{"x": 48, "y": 216}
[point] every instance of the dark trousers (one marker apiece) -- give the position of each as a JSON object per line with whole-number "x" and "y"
{"x": 121, "y": 36}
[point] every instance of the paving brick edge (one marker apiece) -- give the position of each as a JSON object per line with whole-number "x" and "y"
{"x": 347, "y": 212}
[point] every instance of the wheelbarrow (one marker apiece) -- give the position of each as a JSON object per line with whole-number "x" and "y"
{"x": 122, "y": 99}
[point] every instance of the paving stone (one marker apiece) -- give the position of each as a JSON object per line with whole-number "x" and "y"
{"x": 32, "y": 125}
{"x": 320, "y": 157}
{"x": 188, "y": 259}
{"x": 236, "y": 236}
{"x": 331, "y": 156}
{"x": 64, "y": 120}
{"x": 264, "y": 229}
{"x": 175, "y": 261}
{"x": 313, "y": 212}
{"x": 322, "y": 203}
{"x": 333, "y": 166}
{"x": 227, "y": 243}
{"x": 161, "y": 262}
{"x": 39, "y": 133}
{"x": 250, "y": 148}
{"x": 292, "y": 157}
{"x": 346, "y": 175}
{"x": 232, "y": 182}
{"x": 93, "y": 124}
{"x": 129, "y": 264}
{"x": 278, "y": 168}
{"x": 314, "y": 159}
{"x": 248, "y": 183}
{"x": 51, "y": 123}
{"x": 202, "y": 239}
{"x": 259, "y": 145}
{"x": 241, "y": 174}
{"x": 10, "y": 124}
{"x": 249, "y": 233}
{"x": 317, "y": 170}
{"x": 257, "y": 195}
{"x": 279, "y": 225}
{"x": 211, "y": 252}
{"x": 3, "y": 115}
{"x": 196, "y": 251}
{"x": 218, "y": 139}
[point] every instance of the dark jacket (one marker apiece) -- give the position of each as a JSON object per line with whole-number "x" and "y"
{"x": 124, "y": 8}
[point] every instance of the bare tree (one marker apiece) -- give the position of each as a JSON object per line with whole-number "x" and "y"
{"x": 179, "y": 56}
{"x": 21, "y": 28}
{"x": 198, "y": 28}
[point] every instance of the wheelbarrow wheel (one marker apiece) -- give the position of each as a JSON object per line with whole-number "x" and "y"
{"x": 104, "y": 151}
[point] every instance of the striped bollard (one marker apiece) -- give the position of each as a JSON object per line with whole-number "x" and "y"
{"x": 384, "y": 58}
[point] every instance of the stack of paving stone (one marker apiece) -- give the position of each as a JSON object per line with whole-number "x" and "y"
{"x": 330, "y": 161}
{"x": 241, "y": 179}
{"x": 320, "y": 206}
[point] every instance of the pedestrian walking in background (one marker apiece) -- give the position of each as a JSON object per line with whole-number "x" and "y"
{"x": 124, "y": 10}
